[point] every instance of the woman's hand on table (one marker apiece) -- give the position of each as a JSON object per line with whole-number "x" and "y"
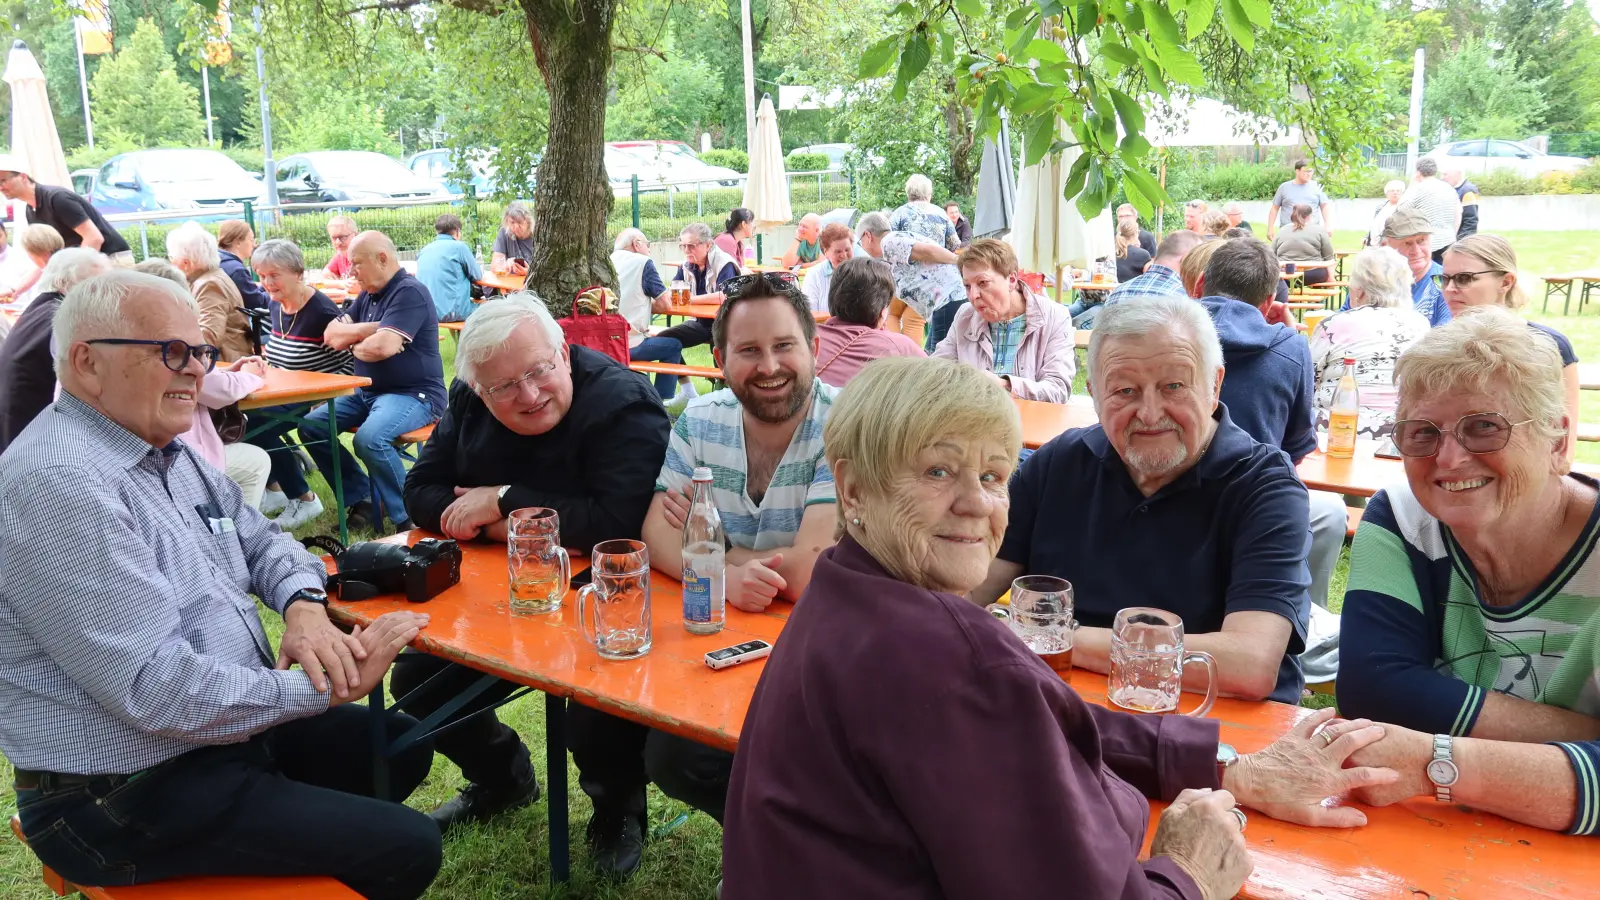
{"x": 1200, "y": 832}
{"x": 1293, "y": 778}
{"x": 1405, "y": 751}
{"x": 250, "y": 365}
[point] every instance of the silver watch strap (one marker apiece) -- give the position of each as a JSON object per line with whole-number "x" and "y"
{"x": 1442, "y": 746}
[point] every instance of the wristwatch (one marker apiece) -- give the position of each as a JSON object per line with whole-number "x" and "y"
{"x": 1226, "y": 756}
{"x": 310, "y": 595}
{"x": 1442, "y": 770}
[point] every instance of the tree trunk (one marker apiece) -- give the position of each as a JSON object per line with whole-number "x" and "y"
{"x": 572, "y": 45}
{"x": 960, "y": 138}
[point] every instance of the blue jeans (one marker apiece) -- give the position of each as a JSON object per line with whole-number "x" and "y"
{"x": 660, "y": 349}
{"x": 939, "y": 322}
{"x": 273, "y": 439}
{"x": 381, "y": 418}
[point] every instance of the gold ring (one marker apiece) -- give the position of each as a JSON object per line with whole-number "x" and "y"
{"x": 1327, "y": 739}
{"x": 1239, "y": 814}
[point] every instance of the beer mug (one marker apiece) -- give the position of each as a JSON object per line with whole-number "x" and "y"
{"x": 1041, "y": 615}
{"x": 537, "y": 566}
{"x": 614, "y": 609}
{"x": 1147, "y": 661}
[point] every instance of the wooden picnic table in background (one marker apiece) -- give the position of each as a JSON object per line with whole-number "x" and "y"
{"x": 709, "y": 311}
{"x": 1419, "y": 848}
{"x": 300, "y": 392}
{"x": 503, "y": 281}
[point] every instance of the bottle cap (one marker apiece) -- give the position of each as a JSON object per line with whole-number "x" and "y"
{"x": 702, "y": 473}
{"x": 1349, "y": 360}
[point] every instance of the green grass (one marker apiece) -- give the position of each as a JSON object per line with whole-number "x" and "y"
{"x": 509, "y": 857}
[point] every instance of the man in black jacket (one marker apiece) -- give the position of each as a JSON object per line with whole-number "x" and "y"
{"x": 27, "y": 371}
{"x": 534, "y": 422}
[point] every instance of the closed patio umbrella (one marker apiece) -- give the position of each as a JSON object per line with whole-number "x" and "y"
{"x": 766, "y": 190}
{"x": 33, "y": 128}
{"x": 1049, "y": 232}
{"x": 997, "y": 187}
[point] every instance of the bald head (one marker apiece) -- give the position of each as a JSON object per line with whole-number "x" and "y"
{"x": 373, "y": 260}
{"x": 810, "y": 226}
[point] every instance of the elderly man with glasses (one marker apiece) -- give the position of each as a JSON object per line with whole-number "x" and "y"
{"x": 705, "y": 269}
{"x": 155, "y": 733}
{"x": 535, "y": 422}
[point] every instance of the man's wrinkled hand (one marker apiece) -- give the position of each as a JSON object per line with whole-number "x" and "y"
{"x": 753, "y": 586}
{"x": 472, "y": 510}
{"x": 322, "y": 650}
{"x": 675, "y": 506}
{"x": 389, "y": 634}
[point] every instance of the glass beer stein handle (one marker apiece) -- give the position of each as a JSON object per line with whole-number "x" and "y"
{"x": 589, "y": 634}
{"x": 1211, "y": 681}
{"x": 566, "y": 570}
{"x": 999, "y": 611}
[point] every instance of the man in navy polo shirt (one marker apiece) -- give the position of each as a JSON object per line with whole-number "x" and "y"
{"x": 393, "y": 330}
{"x": 1167, "y": 503}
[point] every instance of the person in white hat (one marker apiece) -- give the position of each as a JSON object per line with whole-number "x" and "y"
{"x": 80, "y": 224}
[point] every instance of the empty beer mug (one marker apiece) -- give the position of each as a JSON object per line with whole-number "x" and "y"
{"x": 1040, "y": 613}
{"x": 1147, "y": 660}
{"x": 538, "y": 568}
{"x": 614, "y": 609}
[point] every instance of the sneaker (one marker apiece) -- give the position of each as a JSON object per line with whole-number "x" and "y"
{"x": 300, "y": 512}
{"x": 273, "y": 501}
{"x": 616, "y": 844}
{"x": 476, "y": 803}
{"x": 686, "y": 391}
{"x": 360, "y": 516}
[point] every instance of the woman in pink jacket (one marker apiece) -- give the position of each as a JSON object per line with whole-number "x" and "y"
{"x": 1022, "y": 339}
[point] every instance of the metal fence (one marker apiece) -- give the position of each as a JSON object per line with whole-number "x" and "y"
{"x": 660, "y": 209}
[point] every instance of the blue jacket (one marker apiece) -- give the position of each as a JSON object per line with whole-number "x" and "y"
{"x": 1268, "y": 385}
{"x": 235, "y": 268}
{"x": 448, "y": 269}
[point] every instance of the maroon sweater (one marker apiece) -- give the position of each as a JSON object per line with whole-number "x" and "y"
{"x": 904, "y": 744}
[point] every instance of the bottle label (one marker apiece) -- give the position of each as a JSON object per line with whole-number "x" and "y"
{"x": 696, "y": 597}
{"x": 1342, "y": 433}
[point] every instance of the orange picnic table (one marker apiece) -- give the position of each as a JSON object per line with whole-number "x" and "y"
{"x": 1415, "y": 849}
{"x": 503, "y": 281}
{"x": 709, "y": 311}
{"x": 300, "y": 392}
{"x": 1043, "y": 421}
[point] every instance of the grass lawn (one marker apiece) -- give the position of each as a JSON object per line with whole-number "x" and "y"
{"x": 508, "y": 858}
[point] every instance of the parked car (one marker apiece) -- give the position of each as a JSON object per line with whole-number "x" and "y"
{"x": 438, "y": 165}
{"x": 83, "y": 181}
{"x": 156, "y": 180}
{"x": 333, "y": 176}
{"x": 1480, "y": 155}
{"x": 674, "y": 161}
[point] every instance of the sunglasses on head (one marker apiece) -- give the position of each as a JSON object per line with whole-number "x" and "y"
{"x": 738, "y": 286}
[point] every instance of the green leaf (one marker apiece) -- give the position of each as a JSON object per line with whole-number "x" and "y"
{"x": 912, "y": 61}
{"x": 904, "y": 9}
{"x": 1128, "y": 111}
{"x": 1163, "y": 27}
{"x": 947, "y": 48}
{"x": 1032, "y": 98}
{"x": 1020, "y": 45}
{"x": 1180, "y": 65}
{"x": 1146, "y": 183}
{"x": 1090, "y": 201}
{"x": 1137, "y": 198}
{"x": 1037, "y": 137}
{"x": 1119, "y": 54}
{"x": 876, "y": 61}
{"x": 972, "y": 9}
{"x": 1197, "y": 18}
{"x": 1044, "y": 51}
{"x": 1233, "y": 16}
{"x": 1017, "y": 17}
{"x": 1134, "y": 146}
{"x": 1258, "y": 11}
{"x": 1076, "y": 176}
{"x": 1152, "y": 69}
{"x": 1048, "y": 8}
{"x": 1085, "y": 18}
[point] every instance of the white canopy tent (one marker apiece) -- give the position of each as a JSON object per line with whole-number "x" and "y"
{"x": 1203, "y": 122}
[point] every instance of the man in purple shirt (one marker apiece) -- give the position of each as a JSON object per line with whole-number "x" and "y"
{"x": 859, "y": 299}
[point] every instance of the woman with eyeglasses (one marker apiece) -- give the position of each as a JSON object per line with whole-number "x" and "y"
{"x": 1472, "y": 617}
{"x": 1481, "y": 270}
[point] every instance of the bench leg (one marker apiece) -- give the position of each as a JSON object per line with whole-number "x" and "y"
{"x": 555, "y": 751}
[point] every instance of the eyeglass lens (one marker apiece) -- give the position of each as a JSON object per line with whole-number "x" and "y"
{"x": 1477, "y": 433}
{"x": 176, "y": 354}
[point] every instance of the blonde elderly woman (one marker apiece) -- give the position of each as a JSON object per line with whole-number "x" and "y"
{"x": 1481, "y": 270}
{"x": 1472, "y": 619}
{"x": 194, "y": 251}
{"x": 1022, "y": 340}
{"x": 1379, "y": 325}
{"x": 924, "y": 768}
{"x": 40, "y": 242}
{"x": 27, "y": 368}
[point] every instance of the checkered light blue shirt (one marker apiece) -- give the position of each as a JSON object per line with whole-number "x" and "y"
{"x": 1006, "y": 337}
{"x": 1155, "y": 279}
{"x": 127, "y": 633}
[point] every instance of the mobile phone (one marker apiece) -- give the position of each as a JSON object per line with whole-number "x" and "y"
{"x": 1387, "y": 450}
{"x": 738, "y": 653}
{"x": 580, "y": 579}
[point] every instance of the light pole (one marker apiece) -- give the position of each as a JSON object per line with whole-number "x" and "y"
{"x": 269, "y": 166}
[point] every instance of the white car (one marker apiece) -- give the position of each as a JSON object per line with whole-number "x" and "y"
{"x": 1481, "y": 155}
{"x": 675, "y": 162}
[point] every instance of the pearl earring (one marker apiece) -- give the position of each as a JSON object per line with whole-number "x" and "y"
{"x": 856, "y": 521}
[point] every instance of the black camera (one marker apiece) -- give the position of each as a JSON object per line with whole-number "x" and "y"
{"x": 369, "y": 569}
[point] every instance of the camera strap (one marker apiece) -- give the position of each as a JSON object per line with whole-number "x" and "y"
{"x": 350, "y": 589}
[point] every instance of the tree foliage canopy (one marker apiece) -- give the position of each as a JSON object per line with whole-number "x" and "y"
{"x": 137, "y": 98}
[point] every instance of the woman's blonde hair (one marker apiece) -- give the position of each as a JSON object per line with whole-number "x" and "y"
{"x": 897, "y": 406}
{"x": 40, "y": 239}
{"x": 1194, "y": 265}
{"x": 231, "y": 231}
{"x": 1487, "y": 349}
{"x": 1495, "y": 252}
{"x": 1127, "y": 236}
{"x": 1215, "y": 222}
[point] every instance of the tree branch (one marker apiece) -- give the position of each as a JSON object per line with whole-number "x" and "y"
{"x": 650, "y": 51}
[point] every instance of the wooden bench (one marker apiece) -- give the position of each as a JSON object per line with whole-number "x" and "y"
{"x": 679, "y": 369}
{"x": 1562, "y": 284}
{"x": 453, "y": 326}
{"x": 299, "y": 887}
{"x": 1588, "y": 432}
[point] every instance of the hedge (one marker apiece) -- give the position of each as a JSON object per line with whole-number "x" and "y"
{"x": 808, "y": 162}
{"x": 737, "y": 160}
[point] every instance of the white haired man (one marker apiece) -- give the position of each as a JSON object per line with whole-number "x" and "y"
{"x": 153, "y": 736}
{"x": 643, "y": 295}
{"x": 1163, "y": 468}
{"x": 535, "y": 422}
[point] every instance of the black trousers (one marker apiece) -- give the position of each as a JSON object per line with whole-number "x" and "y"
{"x": 689, "y": 333}
{"x": 294, "y": 800}
{"x": 486, "y": 750}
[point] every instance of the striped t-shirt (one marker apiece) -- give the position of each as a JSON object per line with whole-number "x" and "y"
{"x": 1419, "y": 647}
{"x": 297, "y": 338}
{"x": 711, "y": 433}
